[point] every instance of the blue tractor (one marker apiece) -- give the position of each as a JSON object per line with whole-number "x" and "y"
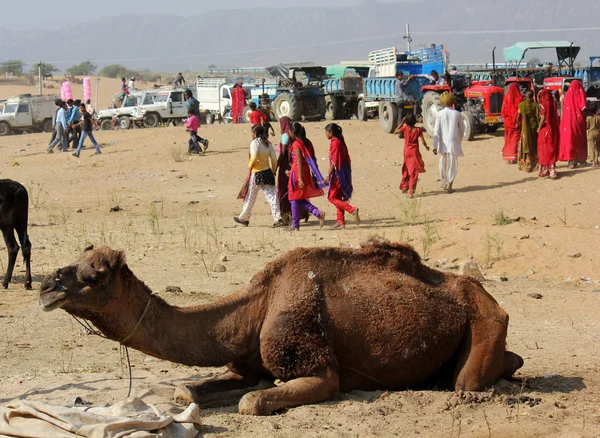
{"x": 299, "y": 94}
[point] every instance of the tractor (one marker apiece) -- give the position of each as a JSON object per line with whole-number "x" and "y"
{"x": 299, "y": 92}
{"x": 480, "y": 105}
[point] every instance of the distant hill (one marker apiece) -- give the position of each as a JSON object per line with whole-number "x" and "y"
{"x": 324, "y": 35}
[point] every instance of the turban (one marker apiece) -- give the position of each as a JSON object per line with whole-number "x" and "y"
{"x": 448, "y": 99}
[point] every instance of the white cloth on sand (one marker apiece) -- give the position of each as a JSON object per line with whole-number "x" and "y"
{"x": 448, "y": 132}
{"x": 131, "y": 418}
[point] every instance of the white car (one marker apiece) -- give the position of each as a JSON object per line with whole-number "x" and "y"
{"x": 120, "y": 115}
{"x": 163, "y": 106}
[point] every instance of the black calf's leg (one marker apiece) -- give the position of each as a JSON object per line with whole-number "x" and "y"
{"x": 26, "y": 248}
{"x": 13, "y": 250}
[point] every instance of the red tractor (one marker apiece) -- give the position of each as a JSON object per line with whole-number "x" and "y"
{"x": 480, "y": 105}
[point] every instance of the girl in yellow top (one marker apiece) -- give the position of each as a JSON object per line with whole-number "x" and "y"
{"x": 263, "y": 165}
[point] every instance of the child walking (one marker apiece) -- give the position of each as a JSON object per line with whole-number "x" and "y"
{"x": 301, "y": 186}
{"x": 593, "y": 135}
{"x": 340, "y": 176}
{"x": 193, "y": 124}
{"x": 413, "y": 162}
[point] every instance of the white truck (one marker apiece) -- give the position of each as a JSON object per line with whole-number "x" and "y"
{"x": 167, "y": 105}
{"x": 120, "y": 115}
{"x": 215, "y": 99}
{"x": 27, "y": 113}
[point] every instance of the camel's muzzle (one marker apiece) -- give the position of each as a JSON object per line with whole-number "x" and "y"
{"x": 52, "y": 294}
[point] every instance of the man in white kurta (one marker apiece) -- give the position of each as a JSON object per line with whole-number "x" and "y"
{"x": 447, "y": 137}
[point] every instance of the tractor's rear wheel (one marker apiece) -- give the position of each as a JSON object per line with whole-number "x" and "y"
{"x": 209, "y": 119}
{"x": 470, "y": 126}
{"x": 334, "y": 108}
{"x": 287, "y": 105}
{"x": 388, "y": 116}
{"x": 431, "y": 106}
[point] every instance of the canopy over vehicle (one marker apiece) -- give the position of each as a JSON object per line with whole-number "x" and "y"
{"x": 566, "y": 52}
{"x": 311, "y": 71}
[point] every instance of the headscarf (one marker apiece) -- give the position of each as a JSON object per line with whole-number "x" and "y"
{"x": 573, "y": 137}
{"x": 448, "y": 99}
{"x": 285, "y": 123}
{"x": 548, "y": 102}
{"x": 513, "y": 98}
{"x": 574, "y": 103}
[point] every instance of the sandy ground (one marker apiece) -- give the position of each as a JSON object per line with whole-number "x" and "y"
{"x": 175, "y": 222}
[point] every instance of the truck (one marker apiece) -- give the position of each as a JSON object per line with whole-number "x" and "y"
{"x": 167, "y": 105}
{"x": 120, "y": 117}
{"x": 378, "y": 99}
{"x": 215, "y": 98}
{"x": 26, "y": 113}
{"x": 342, "y": 90}
{"x": 299, "y": 93}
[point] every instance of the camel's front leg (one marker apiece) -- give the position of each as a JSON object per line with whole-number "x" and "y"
{"x": 222, "y": 390}
{"x": 301, "y": 391}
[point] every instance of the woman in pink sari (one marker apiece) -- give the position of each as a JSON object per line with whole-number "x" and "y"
{"x": 512, "y": 132}
{"x": 548, "y": 135}
{"x": 573, "y": 135}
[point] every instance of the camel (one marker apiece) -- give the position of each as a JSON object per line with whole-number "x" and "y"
{"x": 322, "y": 320}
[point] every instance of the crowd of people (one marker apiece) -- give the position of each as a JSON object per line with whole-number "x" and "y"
{"x": 291, "y": 179}
{"x": 72, "y": 123}
{"x": 536, "y": 135}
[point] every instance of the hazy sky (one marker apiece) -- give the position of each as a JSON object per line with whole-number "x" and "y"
{"x": 42, "y": 14}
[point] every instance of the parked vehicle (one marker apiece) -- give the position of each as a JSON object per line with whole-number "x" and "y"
{"x": 167, "y": 105}
{"x": 299, "y": 93}
{"x": 215, "y": 99}
{"x": 26, "y": 114}
{"x": 379, "y": 87}
{"x": 342, "y": 90}
{"x": 120, "y": 117}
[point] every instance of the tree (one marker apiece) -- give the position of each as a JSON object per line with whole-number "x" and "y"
{"x": 84, "y": 69}
{"x": 113, "y": 71}
{"x": 13, "y": 66}
{"x": 47, "y": 70}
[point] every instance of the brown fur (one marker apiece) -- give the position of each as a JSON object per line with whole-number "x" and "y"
{"x": 321, "y": 319}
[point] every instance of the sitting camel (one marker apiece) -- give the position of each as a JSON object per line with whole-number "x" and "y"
{"x": 322, "y": 320}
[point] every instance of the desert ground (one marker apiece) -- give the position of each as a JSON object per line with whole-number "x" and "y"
{"x": 536, "y": 240}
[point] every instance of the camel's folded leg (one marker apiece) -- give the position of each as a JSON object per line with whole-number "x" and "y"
{"x": 301, "y": 391}
{"x": 222, "y": 390}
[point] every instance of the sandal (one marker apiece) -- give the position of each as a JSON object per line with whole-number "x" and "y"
{"x": 338, "y": 226}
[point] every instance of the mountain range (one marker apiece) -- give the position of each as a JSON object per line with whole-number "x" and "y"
{"x": 265, "y": 36}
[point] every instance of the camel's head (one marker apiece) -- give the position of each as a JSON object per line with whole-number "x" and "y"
{"x": 86, "y": 286}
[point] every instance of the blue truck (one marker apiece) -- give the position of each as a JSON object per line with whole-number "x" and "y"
{"x": 379, "y": 97}
{"x": 342, "y": 90}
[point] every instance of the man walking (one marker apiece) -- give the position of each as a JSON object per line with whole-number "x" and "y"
{"x": 62, "y": 136}
{"x": 447, "y": 138}
{"x": 73, "y": 122}
{"x": 191, "y": 103}
{"x": 87, "y": 126}
{"x": 57, "y": 102}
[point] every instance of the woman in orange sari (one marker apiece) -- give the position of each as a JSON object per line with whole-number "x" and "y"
{"x": 548, "y": 135}
{"x": 512, "y": 132}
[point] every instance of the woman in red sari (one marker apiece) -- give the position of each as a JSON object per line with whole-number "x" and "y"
{"x": 512, "y": 132}
{"x": 238, "y": 103}
{"x": 340, "y": 176}
{"x": 573, "y": 134}
{"x": 302, "y": 186}
{"x": 548, "y": 135}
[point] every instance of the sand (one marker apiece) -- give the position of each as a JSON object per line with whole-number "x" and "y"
{"x": 175, "y": 222}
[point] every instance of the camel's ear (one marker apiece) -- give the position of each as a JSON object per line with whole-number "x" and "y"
{"x": 116, "y": 260}
{"x": 88, "y": 248}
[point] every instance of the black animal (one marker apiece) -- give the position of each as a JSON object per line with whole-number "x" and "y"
{"x": 14, "y": 212}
